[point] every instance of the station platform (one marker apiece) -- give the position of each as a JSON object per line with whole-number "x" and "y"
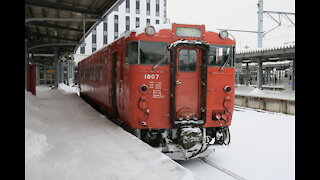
{"x": 65, "y": 138}
{"x": 280, "y": 98}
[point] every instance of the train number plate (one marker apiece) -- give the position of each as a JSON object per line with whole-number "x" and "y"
{"x": 151, "y": 76}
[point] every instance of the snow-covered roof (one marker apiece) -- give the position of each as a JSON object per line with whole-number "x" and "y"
{"x": 267, "y": 49}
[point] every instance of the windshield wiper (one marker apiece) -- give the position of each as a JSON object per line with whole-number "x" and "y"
{"x": 160, "y": 62}
{"x": 224, "y": 64}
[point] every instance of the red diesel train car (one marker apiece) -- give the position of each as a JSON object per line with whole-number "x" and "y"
{"x": 171, "y": 85}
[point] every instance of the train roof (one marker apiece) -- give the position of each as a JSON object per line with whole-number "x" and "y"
{"x": 159, "y": 27}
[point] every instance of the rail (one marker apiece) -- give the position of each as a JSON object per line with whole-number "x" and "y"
{"x": 222, "y": 169}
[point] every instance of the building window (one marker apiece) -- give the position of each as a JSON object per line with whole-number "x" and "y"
{"x": 148, "y": 7}
{"x": 105, "y": 31}
{"x": 94, "y": 35}
{"x": 137, "y": 22}
{"x": 82, "y": 50}
{"x": 116, "y": 27}
{"x": 137, "y": 6}
{"x": 127, "y": 6}
{"x": 127, "y": 23}
{"x": 165, "y": 8}
{"x": 157, "y": 7}
{"x": 157, "y": 22}
{"x": 94, "y": 40}
{"x": 148, "y": 22}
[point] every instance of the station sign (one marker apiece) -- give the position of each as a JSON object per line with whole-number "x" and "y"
{"x": 50, "y": 71}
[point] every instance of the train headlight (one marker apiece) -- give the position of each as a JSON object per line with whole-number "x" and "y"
{"x": 143, "y": 88}
{"x": 228, "y": 89}
{"x": 150, "y": 30}
{"x": 224, "y": 34}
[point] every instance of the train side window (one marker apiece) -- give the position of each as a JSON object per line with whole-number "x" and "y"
{"x": 132, "y": 52}
{"x": 187, "y": 60}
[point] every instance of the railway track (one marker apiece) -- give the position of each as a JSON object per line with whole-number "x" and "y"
{"x": 222, "y": 169}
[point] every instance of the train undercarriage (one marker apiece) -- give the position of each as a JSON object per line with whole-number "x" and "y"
{"x": 186, "y": 142}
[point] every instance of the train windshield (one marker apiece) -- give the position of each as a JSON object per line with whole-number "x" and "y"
{"x": 147, "y": 53}
{"x": 221, "y": 55}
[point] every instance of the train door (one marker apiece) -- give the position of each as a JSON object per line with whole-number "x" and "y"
{"x": 188, "y": 83}
{"x": 114, "y": 84}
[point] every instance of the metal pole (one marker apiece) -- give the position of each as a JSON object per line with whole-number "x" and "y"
{"x": 268, "y": 76}
{"x": 61, "y": 72}
{"x": 56, "y": 67}
{"x": 68, "y": 73}
{"x": 293, "y": 74}
{"x": 259, "y": 74}
{"x": 25, "y": 65}
{"x": 247, "y": 73}
{"x": 260, "y": 23}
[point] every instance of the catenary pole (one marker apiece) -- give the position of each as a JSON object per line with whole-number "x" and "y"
{"x": 260, "y": 23}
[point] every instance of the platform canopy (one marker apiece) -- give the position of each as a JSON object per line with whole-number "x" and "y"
{"x": 267, "y": 55}
{"x": 61, "y": 23}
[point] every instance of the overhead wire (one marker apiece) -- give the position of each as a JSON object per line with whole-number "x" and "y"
{"x": 232, "y": 15}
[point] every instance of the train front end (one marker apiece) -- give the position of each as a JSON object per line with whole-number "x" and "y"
{"x": 183, "y": 99}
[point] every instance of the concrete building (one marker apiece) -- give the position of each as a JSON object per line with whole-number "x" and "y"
{"x": 130, "y": 14}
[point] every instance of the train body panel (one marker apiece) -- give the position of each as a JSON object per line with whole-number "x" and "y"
{"x": 176, "y": 82}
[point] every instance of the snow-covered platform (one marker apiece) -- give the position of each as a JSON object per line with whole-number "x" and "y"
{"x": 65, "y": 138}
{"x": 271, "y": 100}
{"x": 286, "y": 94}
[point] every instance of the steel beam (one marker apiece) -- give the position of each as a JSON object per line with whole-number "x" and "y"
{"x": 60, "y": 19}
{"x": 52, "y": 37}
{"x": 56, "y": 26}
{"x": 52, "y": 44}
{"x": 60, "y": 6}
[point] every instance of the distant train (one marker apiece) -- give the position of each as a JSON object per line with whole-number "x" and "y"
{"x": 171, "y": 85}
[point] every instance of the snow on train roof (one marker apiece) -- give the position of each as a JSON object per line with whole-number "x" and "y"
{"x": 141, "y": 30}
{"x": 159, "y": 27}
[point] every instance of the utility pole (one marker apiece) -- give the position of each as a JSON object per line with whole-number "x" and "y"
{"x": 260, "y": 23}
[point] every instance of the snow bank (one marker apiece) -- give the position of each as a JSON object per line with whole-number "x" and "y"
{"x": 67, "y": 89}
{"x": 36, "y": 146}
{"x": 256, "y": 91}
{"x": 286, "y": 94}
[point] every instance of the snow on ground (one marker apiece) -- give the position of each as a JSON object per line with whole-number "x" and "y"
{"x": 67, "y": 139}
{"x": 262, "y": 148}
{"x": 286, "y": 94}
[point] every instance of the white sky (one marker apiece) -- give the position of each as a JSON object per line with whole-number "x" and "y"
{"x": 236, "y": 14}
